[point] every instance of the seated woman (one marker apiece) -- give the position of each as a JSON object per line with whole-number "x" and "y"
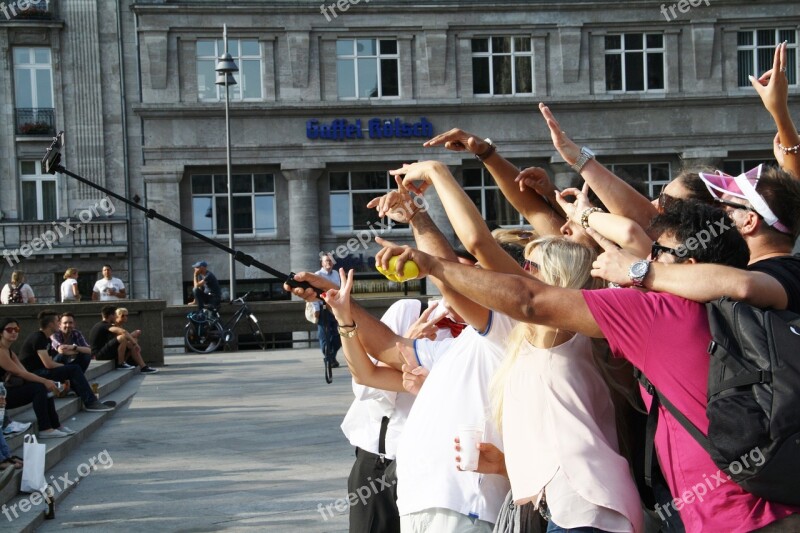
{"x": 24, "y": 387}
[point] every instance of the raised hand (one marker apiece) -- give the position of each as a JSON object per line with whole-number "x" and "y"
{"x": 338, "y": 300}
{"x": 309, "y": 294}
{"x": 404, "y": 253}
{"x": 568, "y": 149}
{"x": 459, "y": 141}
{"x": 423, "y": 171}
{"x": 535, "y": 178}
{"x": 773, "y": 85}
{"x": 398, "y": 204}
{"x": 614, "y": 263}
{"x": 414, "y": 375}
{"x": 575, "y": 209}
{"x": 424, "y": 328}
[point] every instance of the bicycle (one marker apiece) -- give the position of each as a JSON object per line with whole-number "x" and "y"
{"x": 204, "y": 332}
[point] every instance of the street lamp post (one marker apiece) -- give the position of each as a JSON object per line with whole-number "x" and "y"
{"x": 225, "y": 69}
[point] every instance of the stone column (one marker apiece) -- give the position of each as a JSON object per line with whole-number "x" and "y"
{"x": 165, "y": 259}
{"x": 304, "y": 227}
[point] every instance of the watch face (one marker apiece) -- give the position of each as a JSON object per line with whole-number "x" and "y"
{"x": 587, "y": 151}
{"x": 639, "y": 269}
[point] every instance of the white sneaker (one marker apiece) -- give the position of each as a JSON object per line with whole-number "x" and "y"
{"x": 52, "y": 434}
{"x": 68, "y": 431}
{"x": 16, "y": 427}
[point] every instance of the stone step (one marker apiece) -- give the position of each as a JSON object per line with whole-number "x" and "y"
{"x": 116, "y": 385}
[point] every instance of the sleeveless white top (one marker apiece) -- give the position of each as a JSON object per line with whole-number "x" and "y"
{"x": 560, "y": 439}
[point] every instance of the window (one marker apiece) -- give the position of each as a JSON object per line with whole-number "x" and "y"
{"x": 734, "y": 167}
{"x": 756, "y": 49}
{"x": 495, "y": 209}
{"x": 33, "y": 90}
{"x": 635, "y": 62}
{"x": 652, "y": 175}
{"x": 502, "y": 65}
{"x": 350, "y": 193}
{"x": 246, "y": 54}
{"x": 367, "y": 68}
{"x": 39, "y": 198}
{"x": 253, "y": 204}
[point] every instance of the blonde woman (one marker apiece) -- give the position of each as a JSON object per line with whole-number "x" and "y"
{"x": 17, "y": 291}
{"x": 556, "y": 415}
{"x": 69, "y": 289}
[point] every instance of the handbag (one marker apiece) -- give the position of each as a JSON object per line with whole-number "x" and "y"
{"x": 33, "y": 458}
{"x": 311, "y": 313}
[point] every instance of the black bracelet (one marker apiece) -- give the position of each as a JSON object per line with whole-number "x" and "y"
{"x": 346, "y": 325}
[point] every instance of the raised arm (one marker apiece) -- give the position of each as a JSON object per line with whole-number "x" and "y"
{"x": 536, "y": 211}
{"x": 364, "y": 371}
{"x": 397, "y": 205}
{"x": 699, "y": 282}
{"x": 618, "y": 197}
{"x": 773, "y": 88}
{"x": 522, "y": 298}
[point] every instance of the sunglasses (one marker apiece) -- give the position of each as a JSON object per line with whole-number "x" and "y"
{"x": 735, "y": 205}
{"x": 664, "y": 199}
{"x": 530, "y": 266}
{"x": 656, "y": 250}
{"x": 12, "y": 329}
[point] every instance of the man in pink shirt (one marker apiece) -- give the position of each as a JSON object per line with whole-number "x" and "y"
{"x": 666, "y": 337}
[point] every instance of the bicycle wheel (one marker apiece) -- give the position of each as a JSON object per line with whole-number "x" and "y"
{"x": 257, "y": 336}
{"x": 203, "y": 338}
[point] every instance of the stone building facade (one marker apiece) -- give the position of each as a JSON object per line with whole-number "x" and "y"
{"x": 331, "y": 95}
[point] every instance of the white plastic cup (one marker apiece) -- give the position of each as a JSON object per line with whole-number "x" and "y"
{"x": 469, "y": 437}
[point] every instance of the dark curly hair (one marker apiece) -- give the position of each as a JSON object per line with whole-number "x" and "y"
{"x": 705, "y": 232}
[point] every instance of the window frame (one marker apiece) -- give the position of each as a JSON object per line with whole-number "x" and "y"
{"x": 237, "y": 91}
{"x": 742, "y": 77}
{"x": 379, "y": 56}
{"x": 490, "y": 54}
{"x": 252, "y": 194}
{"x": 32, "y": 67}
{"x": 383, "y": 225}
{"x": 653, "y": 186}
{"x": 38, "y": 178}
{"x": 488, "y": 183}
{"x": 645, "y": 50}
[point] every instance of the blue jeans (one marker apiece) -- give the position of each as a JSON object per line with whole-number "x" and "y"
{"x": 5, "y": 451}
{"x": 328, "y": 335}
{"x": 552, "y": 527}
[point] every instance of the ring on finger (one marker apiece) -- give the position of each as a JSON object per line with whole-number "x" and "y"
{"x": 783, "y": 69}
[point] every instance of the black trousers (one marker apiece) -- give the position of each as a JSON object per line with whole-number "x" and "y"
{"x": 374, "y": 482}
{"x": 81, "y": 360}
{"x": 36, "y": 393}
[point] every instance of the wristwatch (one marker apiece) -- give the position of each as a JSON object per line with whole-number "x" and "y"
{"x": 638, "y": 271}
{"x": 586, "y": 155}
{"x": 488, "y": 152}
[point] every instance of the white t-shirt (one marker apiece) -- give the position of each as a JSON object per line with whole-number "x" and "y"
{"x": 362, "y": 423}
{"x": 25, "y": 290}
{"x": 103, "y": 285}
{"x": 456, "y": 392}
{"x": 66, "y": 290}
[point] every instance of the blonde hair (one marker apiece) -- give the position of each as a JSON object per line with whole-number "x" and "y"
{"x": 70, "y": 272}
{"x": 120, "y": 311}
{"x": 17, "y": 276}
{"x": 514, "y": 236}
{"x": 563, "y": 263}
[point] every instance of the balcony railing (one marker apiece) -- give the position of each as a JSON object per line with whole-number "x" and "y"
{"x": 36, "y": 121}
{"x": 70, "y": 236}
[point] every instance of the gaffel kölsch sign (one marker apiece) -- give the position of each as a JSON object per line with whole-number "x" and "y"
{"x": 341, "y": 129}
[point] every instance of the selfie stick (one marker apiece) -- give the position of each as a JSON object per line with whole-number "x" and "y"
{"x": 52, "y": 164}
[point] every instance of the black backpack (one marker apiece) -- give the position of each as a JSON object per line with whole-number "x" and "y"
{"x": 15, "y": 294}
{"x": 753, "y": 400}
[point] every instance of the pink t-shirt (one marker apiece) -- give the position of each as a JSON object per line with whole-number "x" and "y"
{"x": 666, "y": 337}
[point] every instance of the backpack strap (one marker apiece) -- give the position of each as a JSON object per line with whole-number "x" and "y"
{"x": 652, "y": 424}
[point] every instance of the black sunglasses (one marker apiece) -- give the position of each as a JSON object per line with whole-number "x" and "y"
{"x": 735, "y": 205}
{"x": 664, "y": 199}
{"x": 530, "y": 266}
{"x": 656, "y": 250}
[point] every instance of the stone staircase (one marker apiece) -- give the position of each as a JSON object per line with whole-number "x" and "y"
{"x": 117, "y": 385}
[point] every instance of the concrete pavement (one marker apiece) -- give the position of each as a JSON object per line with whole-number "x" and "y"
{"x": 245, "y": 441}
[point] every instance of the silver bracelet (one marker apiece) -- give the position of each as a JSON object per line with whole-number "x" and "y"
{"x": 789, "y": 149}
